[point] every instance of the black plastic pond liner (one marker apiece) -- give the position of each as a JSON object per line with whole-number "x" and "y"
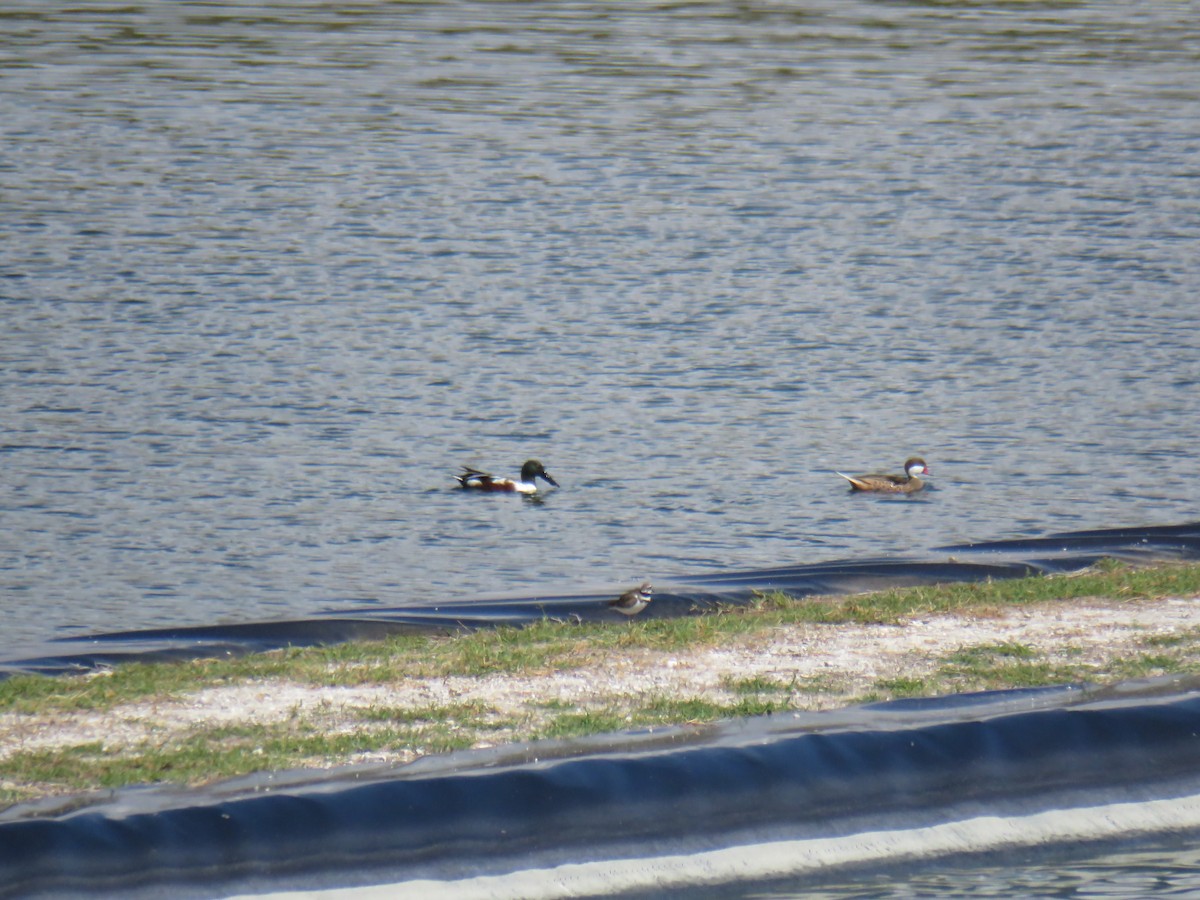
{"x": 1057, "y": 553}
{"x": 764, "y": 797}
{"x": 788, "y": 796}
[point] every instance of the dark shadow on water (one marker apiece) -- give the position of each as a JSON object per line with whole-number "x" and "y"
{"x": 1056, "y": 553}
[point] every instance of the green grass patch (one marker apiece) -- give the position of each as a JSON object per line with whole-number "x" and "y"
{"x": 214, "y": 753}
{"x": 1111, "y": 580}
{"x": 99, "y": 690}
{"x": 655, "y": 711}
{"x": 668, "y": 710}
{"x": 1147, "y": 665}
{"x": 983, "y": 655}
{"x": 1187, "y": 638}
{"x": 547, "y": 647}
{"x": 453, "y": 712}
{"x": 903, "y": 686}
{"x": 759, "y": 684}
{"x": 584, "y": 723}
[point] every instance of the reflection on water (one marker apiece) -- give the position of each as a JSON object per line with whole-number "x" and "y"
{"x": 272, "y": 273}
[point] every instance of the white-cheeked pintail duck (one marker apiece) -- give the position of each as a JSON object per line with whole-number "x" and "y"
{"x": 907, "y": 483}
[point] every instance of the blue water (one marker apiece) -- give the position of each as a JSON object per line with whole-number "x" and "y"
{"x": 1166, "y": 868}
{"x": 270, "y": 273}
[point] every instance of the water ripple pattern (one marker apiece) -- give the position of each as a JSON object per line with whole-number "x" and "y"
{"x": 269, "y": 273}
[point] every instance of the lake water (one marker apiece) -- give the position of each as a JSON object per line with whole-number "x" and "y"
{"x": 1167, "y": 868}
{"x": 271, "y": 272}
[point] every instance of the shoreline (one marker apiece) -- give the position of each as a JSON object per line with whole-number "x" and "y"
{"x": 798, "y": 666}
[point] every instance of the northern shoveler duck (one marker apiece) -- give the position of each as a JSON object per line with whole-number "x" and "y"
{"x": 484, "y": 481}
{"x": 892, "y": 484}
{"x": 632, "y": 602}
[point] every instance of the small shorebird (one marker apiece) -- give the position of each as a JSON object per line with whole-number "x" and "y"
{"x": 632, "y": 602}
{"x": 892, "y": 484}
{"x": 476, "y": 480}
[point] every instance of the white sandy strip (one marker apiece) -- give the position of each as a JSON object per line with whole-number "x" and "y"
{"x": 853, "y": 657}
{"x": 782, "y": 859}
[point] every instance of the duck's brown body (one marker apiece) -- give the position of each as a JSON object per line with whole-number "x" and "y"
{"x": 907, "y": 483}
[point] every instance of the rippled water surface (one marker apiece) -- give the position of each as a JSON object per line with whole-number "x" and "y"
{"x": 269, "y": 273}
{"x": 1171, "y": 869}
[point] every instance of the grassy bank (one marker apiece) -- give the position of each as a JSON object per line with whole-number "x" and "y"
{"x": 413, "y": 695}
